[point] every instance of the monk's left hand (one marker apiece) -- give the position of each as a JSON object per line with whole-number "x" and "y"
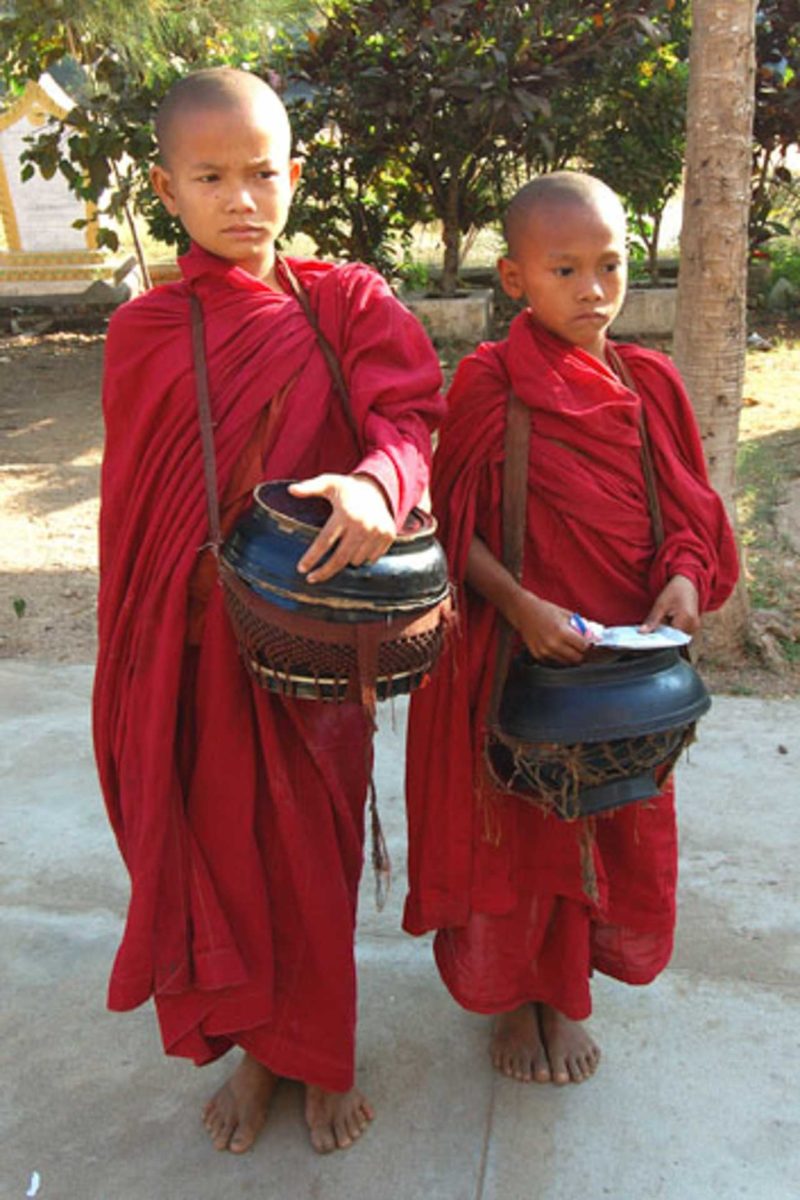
{"x": 360, "y": 528}
{"x": 677, "y": 605}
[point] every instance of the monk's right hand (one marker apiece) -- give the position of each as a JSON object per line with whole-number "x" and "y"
{"x": 546, "y": 631}
{"x": 359, "y": 530}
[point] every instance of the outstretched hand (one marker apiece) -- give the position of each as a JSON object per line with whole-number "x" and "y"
{"x": 677, "y": 605}
{"x": 360, "y": 528}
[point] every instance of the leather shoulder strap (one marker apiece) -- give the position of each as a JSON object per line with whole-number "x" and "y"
{"x": 515, "y": 483}
{"x": 206, "y": 425}
{"x": 648, "y": 468}
{"x": 327, "y": 349}
{"x": 515, "y": 502}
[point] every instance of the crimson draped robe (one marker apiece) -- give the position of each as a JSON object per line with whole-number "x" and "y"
{"x": 502, "y": 882}
{"x": 239, "y": 814}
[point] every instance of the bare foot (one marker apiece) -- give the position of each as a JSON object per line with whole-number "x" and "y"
{"x": 573, "y": 1055}
{"x": 517, "y": 1049}
{"x": 336, "y": 1119}
{"x": 235, "y": 1116}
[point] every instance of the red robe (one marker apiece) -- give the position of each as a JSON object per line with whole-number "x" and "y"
{"x": 239, "y": 814}
{"x": 500, "y": 881}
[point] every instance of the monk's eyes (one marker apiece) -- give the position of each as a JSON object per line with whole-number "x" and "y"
{"x": 208, "y": 178}
{"x": 563, "y": 272}
{"x": 609, "y": 268}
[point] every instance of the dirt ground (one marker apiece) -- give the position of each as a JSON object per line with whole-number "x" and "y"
{"x": 52, "y": 435}
{"x": 52, "y": 439}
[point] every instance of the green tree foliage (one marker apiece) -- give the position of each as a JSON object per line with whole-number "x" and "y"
{"x": 777, "y": 118}
{"x": 637, "y": 135}
{"x": 354, "y": 201}
{"x": 116, "y": 60}
{"x": 403, "y": 111}
{"x": 453, "y": 95}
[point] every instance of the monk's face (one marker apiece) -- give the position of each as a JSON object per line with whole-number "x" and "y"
{"x": 229, "y": 179}
{"x": 569, "y": 263}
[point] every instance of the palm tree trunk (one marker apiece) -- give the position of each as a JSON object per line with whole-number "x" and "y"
{"x": 710, "y": 330}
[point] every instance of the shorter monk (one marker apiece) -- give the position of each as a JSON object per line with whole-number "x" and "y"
{"x": 505, "y": 884}
{"x": 239, "y": 813}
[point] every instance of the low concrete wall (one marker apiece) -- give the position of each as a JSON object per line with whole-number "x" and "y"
{"x": 464, "y": 318}
{"x": 647, "y": 312}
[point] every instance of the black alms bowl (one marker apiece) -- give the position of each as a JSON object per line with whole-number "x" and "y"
{"x": 596, "y": 736}
{"x": 269, "y": 541}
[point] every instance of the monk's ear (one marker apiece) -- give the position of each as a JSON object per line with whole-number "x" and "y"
{"x": 295, "y": 171}
{"x": 161, "y": 182}
{"x": 510, "y": 278}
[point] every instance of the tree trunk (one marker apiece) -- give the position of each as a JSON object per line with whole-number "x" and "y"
{"x": 652, "y": 248}
{"x": 710, "y": 329}
{"x": 451, "y": 235}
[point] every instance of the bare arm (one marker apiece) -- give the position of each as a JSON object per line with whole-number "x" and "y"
{"x": 544, "y": 627}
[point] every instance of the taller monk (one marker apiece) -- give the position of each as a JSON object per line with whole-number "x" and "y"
{"x": 240, "y": 813}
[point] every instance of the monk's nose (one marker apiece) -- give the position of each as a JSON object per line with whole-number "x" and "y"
{"x": 592, "y": 287}
{"x": 240, "y": 200}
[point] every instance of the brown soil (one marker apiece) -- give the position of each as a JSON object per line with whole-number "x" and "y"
{"x": 52, "y": 439}
{"x": 51, "y": 429}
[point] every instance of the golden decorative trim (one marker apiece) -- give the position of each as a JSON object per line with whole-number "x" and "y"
{"x": 91, "y": 229}
{"x": 20, "y": 275}
{"x": 46, "y": 258}
{"x": 8, "y": 217}
{"x": 35, "y": 96}
{"x": 164, "y": 272}
{"x": 37, "y": 102}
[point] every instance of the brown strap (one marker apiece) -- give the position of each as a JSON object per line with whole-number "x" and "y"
{"x": 327, "y": 349}
{"x": 204, "y": 403}
{"x": 515, "y": 494}
{"x": 206, "y": 425}
{"x": 515, "y": 483}
{"x": 648, "y": 468}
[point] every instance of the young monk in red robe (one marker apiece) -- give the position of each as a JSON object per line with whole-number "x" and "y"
{"x": 240, "y": 813}
{"x": 501, "y": 882}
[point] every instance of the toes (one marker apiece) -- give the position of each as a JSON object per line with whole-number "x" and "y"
{"x": 240, "y": 1142}
{"x": 221, "y": 1134}
{"x": 354, "y": 1127}
{"x": 512, "y": 1064}
{"x": 575, "y": 1068}
{"x": 341, "y": 1134}
{"x": 586, "y": 1065}
{"x": 322, "y": 1139}
{"x": 522, "y": 1071}
{"x": 361, "y": 1118}
{"x": 340, "y": 1123}
{"x": 352, "y": 1123}
{"x": 541, "y": 1069}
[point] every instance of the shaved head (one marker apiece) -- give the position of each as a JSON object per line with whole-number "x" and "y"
{"x": 217, "y": 88}
{"x": 559, "y": 190}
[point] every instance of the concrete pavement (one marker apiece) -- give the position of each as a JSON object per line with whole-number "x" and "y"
{"x": 697, "y": 1095}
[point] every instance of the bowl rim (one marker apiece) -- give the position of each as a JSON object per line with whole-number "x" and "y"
{"x": 426, "y": 528}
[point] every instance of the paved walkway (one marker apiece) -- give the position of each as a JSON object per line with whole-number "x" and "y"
{"x": 697, "y": 1096}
